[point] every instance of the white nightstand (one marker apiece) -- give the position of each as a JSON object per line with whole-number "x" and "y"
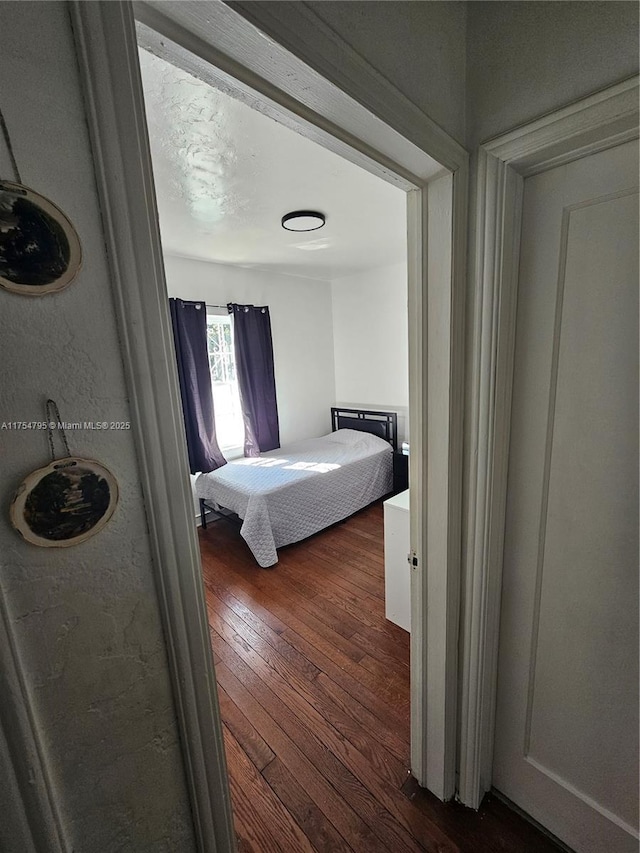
{"x": 397, "y": 573}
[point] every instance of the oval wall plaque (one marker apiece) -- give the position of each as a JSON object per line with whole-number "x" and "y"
{"x": 65, "y": 503}
{"x": 40, "y": 250}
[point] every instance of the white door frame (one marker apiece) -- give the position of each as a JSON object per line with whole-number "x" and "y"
{"x": 107, "y": 53}
{"x": 598, "y": 122}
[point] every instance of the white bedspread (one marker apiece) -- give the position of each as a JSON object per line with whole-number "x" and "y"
{"x": 288, "y": 494}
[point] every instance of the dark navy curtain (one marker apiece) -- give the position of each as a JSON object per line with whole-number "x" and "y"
{"x": 189, "y": 321}
{"x": 256, "y": 377}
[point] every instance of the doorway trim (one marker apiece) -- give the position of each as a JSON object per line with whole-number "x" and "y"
{"x": 601, "y": 121}
{"x": 106, "y": 44}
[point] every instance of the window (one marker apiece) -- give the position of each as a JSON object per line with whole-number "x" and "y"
{"x": 226, "y": 397}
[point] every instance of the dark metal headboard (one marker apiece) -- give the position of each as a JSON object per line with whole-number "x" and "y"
{"x": 382, "y": 424}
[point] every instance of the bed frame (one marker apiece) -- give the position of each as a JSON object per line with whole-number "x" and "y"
{"x": 382, "y": 424}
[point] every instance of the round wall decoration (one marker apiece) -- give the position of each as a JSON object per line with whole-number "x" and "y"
{"x": 64, "y": 503}
{"x": 39, "y": 248}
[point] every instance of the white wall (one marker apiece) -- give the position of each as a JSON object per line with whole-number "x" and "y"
{"x": 370, "y": 334}
{"x": 300, "y": 310}
{"x": 530, "y": 58}
{"x": 85, "y": 618}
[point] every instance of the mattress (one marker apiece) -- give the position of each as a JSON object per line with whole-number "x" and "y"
{"x": 288, "y": 494}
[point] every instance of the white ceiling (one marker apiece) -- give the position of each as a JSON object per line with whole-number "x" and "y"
{"x": 226, "y": 174}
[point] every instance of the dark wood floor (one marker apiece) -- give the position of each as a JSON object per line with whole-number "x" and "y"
{"x": 314, "y": 693}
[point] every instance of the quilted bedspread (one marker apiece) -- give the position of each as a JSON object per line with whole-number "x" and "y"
{"x": 288, "y": 494}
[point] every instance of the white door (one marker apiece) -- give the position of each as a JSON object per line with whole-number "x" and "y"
{"x": 566, "y": 740}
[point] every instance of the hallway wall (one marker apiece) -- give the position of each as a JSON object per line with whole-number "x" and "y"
{"x": 478, "y": 68}
{"x": 85, "y": 619}
{"x": 526, "y": 59}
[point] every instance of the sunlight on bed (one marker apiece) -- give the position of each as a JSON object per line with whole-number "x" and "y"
{"x": 260, "y": 462}
{"x": 320, "y": 467}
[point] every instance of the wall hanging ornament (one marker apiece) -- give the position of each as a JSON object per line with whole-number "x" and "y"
{"x": 39, "y": 248}
{"x": 66, "y": 502}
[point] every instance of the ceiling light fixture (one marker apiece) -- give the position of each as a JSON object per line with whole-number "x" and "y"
{"x": 303, "y": 220}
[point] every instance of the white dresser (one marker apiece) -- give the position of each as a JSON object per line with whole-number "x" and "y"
{"x": 397, "y": 573}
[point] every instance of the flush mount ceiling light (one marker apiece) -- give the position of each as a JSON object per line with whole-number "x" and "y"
{"x": 303, "y": 220}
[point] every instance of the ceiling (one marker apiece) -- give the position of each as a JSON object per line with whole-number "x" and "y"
{"x": 225, "y": 175}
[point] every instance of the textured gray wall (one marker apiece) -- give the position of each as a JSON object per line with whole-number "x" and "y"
{"x": 481, "y": 68}
{"x": 85, "y": 618}
{"x": 526, "y": 59}
{"x": 420, "y": 47}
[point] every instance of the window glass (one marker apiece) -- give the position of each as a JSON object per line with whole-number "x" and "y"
{"x": 226, "y": 398}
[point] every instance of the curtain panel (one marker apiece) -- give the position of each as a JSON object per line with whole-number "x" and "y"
{"x": 189, "y": 321}
{"x": 256, "y": 377}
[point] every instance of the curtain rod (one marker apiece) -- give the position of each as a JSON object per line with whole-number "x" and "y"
{"x": 261, "y": 308}
{"x": 198, "y": 303}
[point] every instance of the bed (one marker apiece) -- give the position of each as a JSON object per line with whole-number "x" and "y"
{"x": 285, "y": 495}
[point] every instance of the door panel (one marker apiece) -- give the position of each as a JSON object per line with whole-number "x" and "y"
{"x": 567, "y": 709}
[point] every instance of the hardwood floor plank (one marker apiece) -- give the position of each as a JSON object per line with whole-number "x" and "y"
{"x": 329, "y": 548}
{"x": 327, "y": 644}
{"x": 310, "y": 703}
{"x": 396, "y": 677}
{"x": 368, "y": 771}
{"x": 365, "y": 789}
{"x": 353, "y": 707}
{"x": 261, "y": 821}
{"x": 391, "y": 653}
{"x": 302, "y": 597}
{"x": 288, "y": 659}
{"x": 320, "y": 832}
{"x": 359, "y": 683}
{"x": 324, "y": 576}
{"x": 319, "y": 784}
{"x": 374, "y": 616}
{"x": 247, "y": 607}
{"x": 367, "y": 526}
{"x": 316, "y": 632}
{"x": 394, "y": 739}
{"x": 298, "y": 596}
{"x": 352, "y": 788}
{"x": 369, "y": 552}
{"x": 314, "y": 693}
{"x": 255, "y": 747}
{"x": 341, "y": 574}
{"x": 381, "y": 640}
{"x": 365, "y": 609}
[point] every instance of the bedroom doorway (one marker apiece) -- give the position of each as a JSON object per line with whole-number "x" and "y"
{"x": 232, "y": 52}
